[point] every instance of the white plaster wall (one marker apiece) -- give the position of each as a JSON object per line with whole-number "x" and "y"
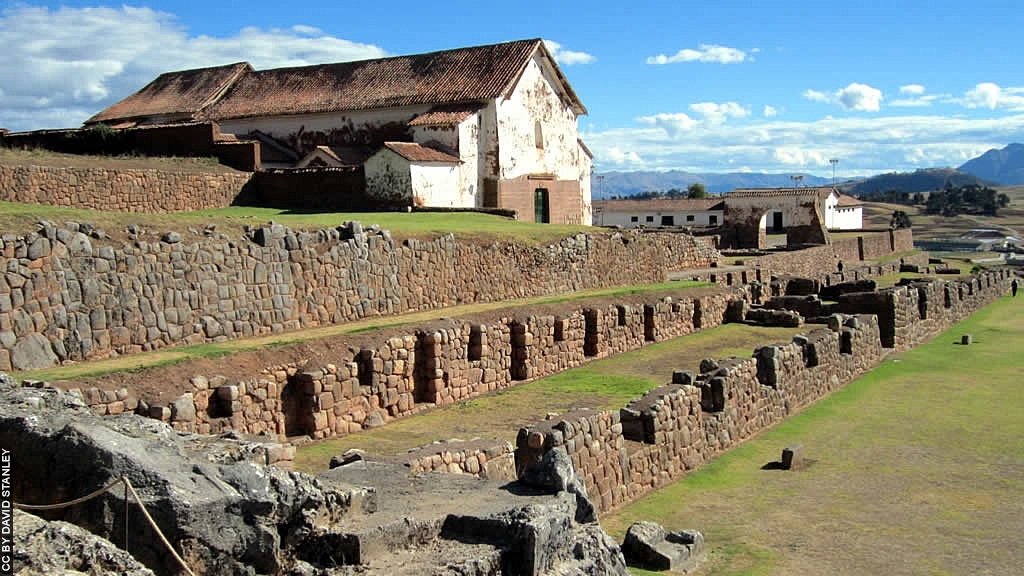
{"x": 435, "y": 184}
{"x": 830, "y": 210}
{"x": 535, "y": 98}
{"x": 471, "y": 188}
{"x": 388, "y": 176}
{"x": 305, "y": 131}
{"x": 624, "y": 219}
{"x": 848, "y": 218}
{"x": 585, "y": 165}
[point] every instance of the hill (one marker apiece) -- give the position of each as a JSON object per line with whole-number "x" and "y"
{"x": 923, "y": 180}
{"x": 1004, "y": 166}
{"x": 630, "y": 183}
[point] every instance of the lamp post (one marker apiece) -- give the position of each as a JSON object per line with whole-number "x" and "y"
{"x": 833, "y": 162}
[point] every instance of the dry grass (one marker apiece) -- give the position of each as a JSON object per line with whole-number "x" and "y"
{"x": 18, "y": 157}
{"x": 917, "y": 468}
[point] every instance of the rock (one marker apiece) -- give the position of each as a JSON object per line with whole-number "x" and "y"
{"x": 226, "y": 513}
{"x": 42, "y": 547}
{"x": 349, "y": 456}
{"x": 374, "y": 419}
{"x": 554, "y": 472}
{"x": 183, "y": 409}
{"x": 171, "y": 237}
{"x": 708, "y": 365}
{"x": 793, "y": 457}
{"x": 32, "y": 353}
{"x": 682, "y": 377}
{"x": 649, "y": 546}
{"x": 39, "y": 248}
{"x": 966, "y": 340}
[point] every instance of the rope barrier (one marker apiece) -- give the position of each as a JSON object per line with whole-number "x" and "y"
{"x": 127, "y": 488}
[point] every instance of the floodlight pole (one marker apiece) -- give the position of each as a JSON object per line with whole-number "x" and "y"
{"x": 833, "y": 162}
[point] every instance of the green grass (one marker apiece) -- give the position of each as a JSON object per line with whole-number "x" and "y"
{"x": 887, "y": 280}
{"x": 20, "y": 218}
{"x": 603, "y": 384}
{"x": 897, "y": 256}
{"x": 918, "y": 467}
{"x": 174, "y": 355}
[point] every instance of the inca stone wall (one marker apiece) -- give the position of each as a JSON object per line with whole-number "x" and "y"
{"x": 66, "y": 297}
{"x": 434, "y": 365}
{"x": 122, "y": 190}
{"x": 676, "y": 428}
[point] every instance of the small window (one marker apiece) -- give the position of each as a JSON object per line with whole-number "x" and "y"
{"x": 634, "y": 218}
{"x": 650, "y": 218}
{"x": 689, "y": 217}
{"x": 538, "y": 135}
{"x": 668, "y": 220}
{"x": 712, "y": 219}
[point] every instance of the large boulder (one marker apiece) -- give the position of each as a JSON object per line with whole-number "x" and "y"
{"x": 226, "y": 511}
{"x": 555, "y": 472}
{"x": 648, "y": 545}
{"x": 51, "y": 548}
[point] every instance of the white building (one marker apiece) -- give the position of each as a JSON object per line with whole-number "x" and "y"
{"x": 498, "y": 124}
{"x": 843, "y": 212}
{"x": 659, "y": 212}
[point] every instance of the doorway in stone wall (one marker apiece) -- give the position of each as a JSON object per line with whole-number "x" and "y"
{"x": 541, "y": 207}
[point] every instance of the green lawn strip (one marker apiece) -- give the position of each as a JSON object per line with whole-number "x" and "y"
{"x": 605, "y": 384}
{"x": 21, "y": 217}
{"x": 185, "y": 353}
{"x": 913, "y": 456}
{"x": 897, "y": 256}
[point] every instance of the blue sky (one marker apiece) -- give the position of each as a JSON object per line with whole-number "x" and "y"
{"x": 708, "y": 87}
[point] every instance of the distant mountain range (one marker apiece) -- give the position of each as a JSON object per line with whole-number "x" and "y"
{"x": 993, "y": 168}
{"x": 630, "y": 183}
{"x": 923, "y": 180}
{"x": 1004, "y": 166}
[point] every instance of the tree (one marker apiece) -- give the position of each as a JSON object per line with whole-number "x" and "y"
{"x": 918, "y": 198}
{"x": 696, "y": 190}
{"x": 899, "y": 219}
{"x": 1003, "y": 200}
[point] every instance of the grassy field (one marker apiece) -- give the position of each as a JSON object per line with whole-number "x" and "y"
{"x": 602, "y": 384}
{"x": 22, "y": 218}
{"x": 915, "y": 468}
{"x": 184, "y": 353}
{"x": 18, "y": 157}
{"x": 1011, "y": 219}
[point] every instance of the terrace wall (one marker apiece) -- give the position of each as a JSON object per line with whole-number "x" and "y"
{"x": 676, "y": 428}
{"x": 434, "y": 365}
{"x": 122, "y": 190}
{"x": 64, "y": 298}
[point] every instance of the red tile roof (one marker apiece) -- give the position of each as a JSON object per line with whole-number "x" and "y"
{"x": 777, "y": 192}
{"x": 346, "y": 155}
{"x": 413, "y": 152}
{"x": 186, "y": 92}
{"x": 446, "y": 77}
{"x": 446, "y": 114}
{"x": 660, "y": 204}
{"x": 845, "y": 200}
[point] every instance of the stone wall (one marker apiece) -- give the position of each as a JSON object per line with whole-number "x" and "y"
{"x": 437, "y": 364}
{"x": 121, "y": 190}
{"x": 64, "y": 298}
{"x": 492, "y": 459}
{"x": 676, "y": 428}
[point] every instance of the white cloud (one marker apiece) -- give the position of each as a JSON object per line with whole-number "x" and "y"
{"x": 793, "y": 156}
{"x": 619, "y": 157}
{"x": 992, "y": 96}
{"x": 860, "y": 97}
{"x": 856, "y": 96}
{"x": 705, "y": 53}
{"x": 716, "y": 114}
{"x": 816, "y": 96}
{"x": 72, "y": 62}
{"x": 770, "y": 111}
{"x": 918, "y": 102}
{"x": 912, "y": 89}
{"x": 864, "y": 144}
{"x": 568, "y": 57}
{"x": 673, "y": 124}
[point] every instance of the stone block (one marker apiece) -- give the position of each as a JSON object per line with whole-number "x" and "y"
{"x": 793, "y": 457}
